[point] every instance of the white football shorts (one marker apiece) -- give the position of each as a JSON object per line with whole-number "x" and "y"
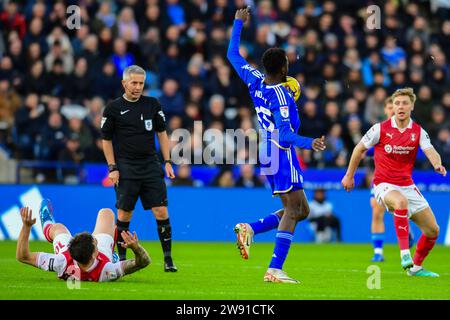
{"x": 416, "y": 201}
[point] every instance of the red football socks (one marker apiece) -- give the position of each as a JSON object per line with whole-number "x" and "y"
{"x": 402, "y": 228}
{"x": 424, "y": 246}
{"x": 47, "y": 232}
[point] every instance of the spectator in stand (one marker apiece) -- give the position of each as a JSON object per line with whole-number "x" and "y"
{"x": 56, "y": 80}
{"x": 106, "y": 83}
{"x": 438, "y": 121}
{"x": 423, "y": 105}
{"x": 121, "y": 58}
{"x": 52, "y": 137}
{"x": 84, "y": 132}
{"x": 9, "y": 102}
{"x": 373, "y": 65}
{"x": 35, "y": 79}
{"x": 29, "y": 119}
{"x": 343, "y": 68}
{"x": 71, "y": 153}
{"x": 335, "y": 147}
{"x": 80, "y": 87}
{"x": 127, "y": 24}
{"x": 445, "y": 102}
{"x": 374, "y": 106}
{"x": 36, "y": 35}
{"x": 394, "y": 55}
{"x": 183, "y": 177}
{"x": 58, "y": 53}
{"x": 353, "y": 134}
{"x": 443, "y": 145}
{"x": 322, "y": 218}
{"x": 172, "y": 99}
{"x": 247, "y": 177}
{"x": 224, "y": 178}
{"x": 12, "y": 20}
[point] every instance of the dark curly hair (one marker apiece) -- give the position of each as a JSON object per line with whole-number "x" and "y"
{"x": 81, "y": 247}
{"x": 273, "y": 60}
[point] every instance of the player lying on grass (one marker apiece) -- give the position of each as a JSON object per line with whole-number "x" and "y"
{"x": 85, "y": 257}
{"x": 396, "y": 142}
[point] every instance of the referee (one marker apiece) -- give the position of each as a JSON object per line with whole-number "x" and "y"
{"x": 128, "y": 127}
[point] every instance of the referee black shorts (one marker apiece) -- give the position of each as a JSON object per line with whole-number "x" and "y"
{"x": 151, "y": 190}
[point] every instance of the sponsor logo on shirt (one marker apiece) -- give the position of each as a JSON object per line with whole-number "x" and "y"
{"x": 398, "y": 149}
{"x": 388, "y": 148}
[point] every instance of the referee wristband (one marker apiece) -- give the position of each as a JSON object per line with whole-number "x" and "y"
{"x": 112, "y": 167}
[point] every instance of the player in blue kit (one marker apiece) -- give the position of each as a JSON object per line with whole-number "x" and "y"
{"x": 279, "y": 120}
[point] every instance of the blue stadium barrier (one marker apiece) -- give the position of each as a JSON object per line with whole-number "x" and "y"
{"x": 198, "y": 214}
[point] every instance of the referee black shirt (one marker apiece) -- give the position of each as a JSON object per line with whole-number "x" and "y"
{"x": 131, "y": 126}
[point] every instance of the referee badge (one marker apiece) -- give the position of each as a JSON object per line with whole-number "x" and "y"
{"x": 148, "y": 125}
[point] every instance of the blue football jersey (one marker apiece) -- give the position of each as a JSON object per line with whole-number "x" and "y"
{"x": 276, "y": 109}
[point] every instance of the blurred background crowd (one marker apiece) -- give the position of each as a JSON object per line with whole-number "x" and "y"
{"x": 55, "y": 81}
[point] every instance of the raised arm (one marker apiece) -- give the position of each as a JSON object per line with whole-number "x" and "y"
{"x": 233, "y": 54}
{"x": 242, "y": 67}
{"x": 141, "y": 257}
{"x": 23, "y": 253}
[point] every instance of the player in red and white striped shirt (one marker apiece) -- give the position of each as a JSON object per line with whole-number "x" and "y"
{"x": 84, "y": 257}
{"x": 396, "y": 143}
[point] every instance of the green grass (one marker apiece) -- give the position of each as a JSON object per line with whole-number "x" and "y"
{"x": 216, "y": 271}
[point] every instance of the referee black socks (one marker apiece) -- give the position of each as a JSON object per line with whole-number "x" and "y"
{"x": 121, "y": 226}
{"x": 165, "y": 237}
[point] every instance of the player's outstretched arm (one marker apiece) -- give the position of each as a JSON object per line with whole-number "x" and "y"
{"x": 348, "y": 182}
{"x": 233, "y": 48}
{"x": 284, "y": 133}
{"x": 23, "y": 253}
{"x": 141, "y": 257}
{"x": 244, "y": 70}
{"x": 435, "y": 159}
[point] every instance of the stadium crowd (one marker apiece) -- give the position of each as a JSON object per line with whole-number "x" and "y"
{"x": 55, "y": 81}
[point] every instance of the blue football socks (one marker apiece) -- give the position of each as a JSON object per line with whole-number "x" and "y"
{"x": 377, "y": 240}
{"x": 282, "y": 245}
{"x": 266, "y": 224}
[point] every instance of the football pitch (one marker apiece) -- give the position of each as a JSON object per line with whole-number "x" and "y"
{"x": 216, "y": 271}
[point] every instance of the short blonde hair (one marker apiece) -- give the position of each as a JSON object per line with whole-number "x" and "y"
{"x": 404, "y": 92}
